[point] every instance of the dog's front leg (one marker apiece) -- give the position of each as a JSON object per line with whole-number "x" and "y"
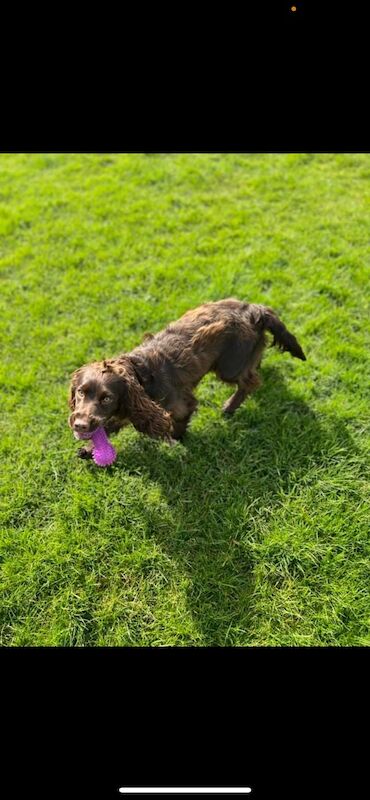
{"x": 86, "y": 450}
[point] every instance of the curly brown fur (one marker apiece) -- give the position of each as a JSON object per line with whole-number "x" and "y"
{"x": 152, "y": 386}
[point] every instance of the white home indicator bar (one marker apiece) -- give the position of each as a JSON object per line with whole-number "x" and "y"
{"x": 185, "y": 790}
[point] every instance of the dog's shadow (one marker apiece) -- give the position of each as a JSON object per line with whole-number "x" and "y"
{"x": 222, "y": 487}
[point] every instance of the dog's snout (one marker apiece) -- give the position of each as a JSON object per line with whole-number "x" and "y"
{"x": 81, "y": 427}
{"x": 84, "y": 423}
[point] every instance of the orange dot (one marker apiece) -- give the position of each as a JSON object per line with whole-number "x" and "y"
{"x": 293, "y": 8}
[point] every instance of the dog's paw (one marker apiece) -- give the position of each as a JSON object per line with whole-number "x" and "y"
{"x": 227, "y": 409}
{"x": 172, "y": 442}
{"x": 84, "y": 452}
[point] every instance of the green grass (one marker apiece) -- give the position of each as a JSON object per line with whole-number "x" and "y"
{"x": 255, "y": 531}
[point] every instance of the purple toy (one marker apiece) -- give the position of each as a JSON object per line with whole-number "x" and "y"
{"x": 103, "y": 452}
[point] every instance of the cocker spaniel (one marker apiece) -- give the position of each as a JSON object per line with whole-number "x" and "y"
{"x": 152, "y": 386}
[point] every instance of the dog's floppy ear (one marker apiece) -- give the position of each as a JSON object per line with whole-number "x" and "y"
{"x": 72, "y": 388}
{"x": 146, "y": 415}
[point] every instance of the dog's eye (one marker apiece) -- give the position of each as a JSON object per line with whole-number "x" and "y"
{"x": 80, "y": 392}
{"x": 105, "y": 400}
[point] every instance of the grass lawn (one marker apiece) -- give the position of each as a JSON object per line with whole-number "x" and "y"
{"x": 255, "y": 531}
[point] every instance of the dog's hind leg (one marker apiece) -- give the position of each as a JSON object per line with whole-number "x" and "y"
{"x": 247, "y": 380}
{"x": 247, "y": 384}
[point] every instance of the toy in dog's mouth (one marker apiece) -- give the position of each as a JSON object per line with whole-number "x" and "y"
{"x": 103, "y": 452}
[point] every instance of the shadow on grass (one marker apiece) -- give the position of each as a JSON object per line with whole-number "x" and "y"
{"x": 221, "y": 485}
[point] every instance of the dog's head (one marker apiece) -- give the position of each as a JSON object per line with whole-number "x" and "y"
{"x": 96, "y": 395}
{"x": 106, "y": 390}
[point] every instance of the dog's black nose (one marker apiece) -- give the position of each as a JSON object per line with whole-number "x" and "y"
{"x": 81, "y": 427}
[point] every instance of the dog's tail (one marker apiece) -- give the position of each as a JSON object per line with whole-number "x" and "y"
{"x": 282, "y": 337}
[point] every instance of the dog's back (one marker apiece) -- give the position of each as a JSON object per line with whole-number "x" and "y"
{"x": 229, "y": 334}
{"x": 226, "y": 336}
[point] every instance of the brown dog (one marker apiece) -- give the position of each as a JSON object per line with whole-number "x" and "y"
{"x": 152, "y": 386}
